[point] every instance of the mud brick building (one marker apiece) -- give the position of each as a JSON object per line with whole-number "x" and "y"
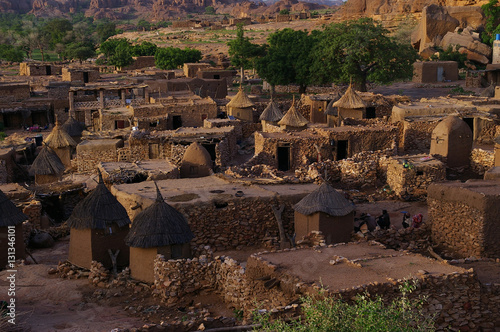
{"x": 214, "y": 88}
{"x": 39, "y": 69}
{"x": 90, "y": 153}
{"x": 435, "y": 71}
{"x": 464, "y": 217}
{"x": 84, "y": 75}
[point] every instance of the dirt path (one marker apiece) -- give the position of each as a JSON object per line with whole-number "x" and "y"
{"x": 48, "y": 303}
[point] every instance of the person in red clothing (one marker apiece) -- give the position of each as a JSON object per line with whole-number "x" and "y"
{"x": 417, "y": 220}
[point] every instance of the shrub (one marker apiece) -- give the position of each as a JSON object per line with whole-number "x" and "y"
{"x": 365, "y": 314}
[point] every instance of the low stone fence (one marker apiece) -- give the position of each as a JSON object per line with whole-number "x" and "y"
{"x": 481, "y": 160}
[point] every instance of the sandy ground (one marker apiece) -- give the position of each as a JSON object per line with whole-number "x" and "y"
{"x": 48, "y": 303}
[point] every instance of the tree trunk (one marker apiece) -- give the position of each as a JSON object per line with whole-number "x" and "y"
{"x": 43, "y": 56}
{"x": 362, "y": 84}
{"x": 277, "y": 213}
{"x": 241, "y": 73}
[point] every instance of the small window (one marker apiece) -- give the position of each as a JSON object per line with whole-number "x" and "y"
{"x": 420, "y": 173}
{"x": 153, "y": 124}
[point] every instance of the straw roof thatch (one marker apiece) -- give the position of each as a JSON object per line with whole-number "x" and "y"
{"x": 10, "y": 215}
{"x": 47, "y": 163}
{"x": 497, "y": 139}
{"x": 73, "y": 127}
{"x": 330, "y": 109}
{"x": 350, "y": 99}
{"x": 59, "y": 138}
{"x": 159, "y": 225}
{"x": 241, "y": 100}
{"x": 271, "y": 113}
{"x": 293, "y": 118}
{"x": 489, "y": 91}
{"x": 99, "y": 210}
{"x": 325, "y": 199}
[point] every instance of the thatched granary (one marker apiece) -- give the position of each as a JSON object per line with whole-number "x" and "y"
{"x": 271, "y": 115}
{"x": 293, "y": 120}
{"x": 325, "y": 210}
{"x": 196, "y": 162}
{"x": 98, "y": 223}
{"x": 350, "y": 105}
{"x": 241, "y": 107}
{"x": 11, "y": 225}
{"x": 47, "y": 167}
{"x": 452, "y": 140}
{"x": 159, "y": 229}
{"x": 60, "y": 141}
{"x": 73, "y": 128}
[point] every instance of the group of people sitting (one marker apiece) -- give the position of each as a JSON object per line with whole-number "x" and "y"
{"x": 384, "y": 221}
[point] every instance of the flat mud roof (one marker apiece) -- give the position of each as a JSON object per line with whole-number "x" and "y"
{"x": 377, "y": 265}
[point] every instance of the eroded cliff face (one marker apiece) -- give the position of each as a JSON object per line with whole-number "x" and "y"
{"x": 392, "y": 12}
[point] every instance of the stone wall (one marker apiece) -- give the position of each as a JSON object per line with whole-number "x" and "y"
{"x": 87, "y": 160}
{"x": 481, "y": 160}
{"x": 416, "y": 136}
{"x": 487, "y": 131}
{"x": 241, "y": 223}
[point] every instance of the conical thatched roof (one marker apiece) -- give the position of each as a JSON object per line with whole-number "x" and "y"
{"x": 350, "y": 99}
{"x": 99, "y": 210}
{"x": 272, "y": 113}
{"x": 330, "y": 109}
{"x": 293, "y": 118}
{"x": 497, "y": 139}
{"x": 73, "y": 127}
{"x": 9, "y": 214}
{"x": 47, "y": 163}
{"x": 59, "y": 138}
{"x": 325, "y": 199}
{"x": 241, "y": 100}
{"x": 159, "y": 225}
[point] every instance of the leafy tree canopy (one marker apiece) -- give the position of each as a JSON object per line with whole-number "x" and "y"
{"x": 209, "y": 10}
{"x": 491, "y": 12}
{"x": 241, "y": 51}
{"x": 173, "y": 57}
{"x": 11, "y": 53}
{"x": 144, "y": 49}
{"x": 288, "y": 58}
{"x": 122, "y": 56}
{"x": 361, "y": 50}
{"x": 109, "y": 47}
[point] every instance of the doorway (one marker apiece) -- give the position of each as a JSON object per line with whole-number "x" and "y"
{"x": 470, "y": 123}
{"x": 284, "y": 158}
{"x": 154, "y": 150}
{"x": 440, "y": 74}
{"x": 342, "y": 149}
{"x": 211, "y": 150}
{"x": 370, "y": 113}
{"x": 176, "y": 121}
{"x": 48, "y": 70}
{"x": 85, "y": 77}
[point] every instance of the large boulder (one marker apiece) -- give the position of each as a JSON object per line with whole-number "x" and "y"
{"x": 473, "y": 56}
{"x": 467, "y": 39}
{"x": 42, "y": 240}
{"x": 435, "y": 23}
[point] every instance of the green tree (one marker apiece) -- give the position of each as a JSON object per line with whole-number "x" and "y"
{"x": 11, "y": 53}
{"x": 209, "y": 10}
{"x": 144, "y": 49}
{"x": 242, "y": 52}
{"x": 105, "y": 30}
{"x": 79, "y": 51}
{"x": 491, "y": 12}
{"x": 57, "y": 29}
{"x": 362, "y": 51}
{"x": 121, "y": 56}
{"x": 173, "y": 57}
{"x": 143, "y": 25}
{"x": 108, "y": 48}
{"x": 450, "y": 54}
{"x": 284, "y": 12}
{"x": 288, "y": 58}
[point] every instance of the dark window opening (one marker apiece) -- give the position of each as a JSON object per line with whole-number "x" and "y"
{"x": 216, "y": 77}
{"x": 419, "y": 173}
{"x": 85, "y": 77}
{"x": 153, "y": 124}
{"x": 119, "y": 124}
{"x": 211, "y": 150}
{"x": 470, "y": 123}
{"x": 176, "y": 251}
{"x": 370, "y": 113}
{"x": 342, "y": 149}
{"x": 284, "y": 158}
{"x": 176, "y": 121}
{"x": 48, "y": 70}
